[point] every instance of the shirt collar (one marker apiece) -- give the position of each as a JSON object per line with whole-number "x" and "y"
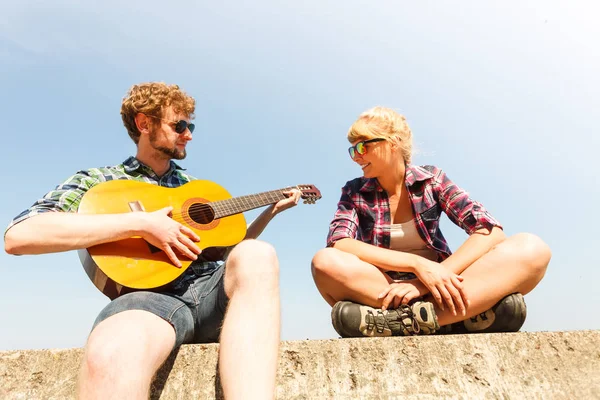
{"x": 370, "y": 185}
{"x": 414, "y": 173}
{"x": 133, "y": 164}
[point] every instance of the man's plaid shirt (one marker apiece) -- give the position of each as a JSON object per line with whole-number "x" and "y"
{"x": 363, "y": 211}
{"x": 67, "y": 196}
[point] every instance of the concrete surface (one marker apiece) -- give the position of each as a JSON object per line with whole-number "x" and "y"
{"x": 540, "y": 365}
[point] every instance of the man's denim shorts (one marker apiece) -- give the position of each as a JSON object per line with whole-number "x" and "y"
{"x": 194, "y": 304}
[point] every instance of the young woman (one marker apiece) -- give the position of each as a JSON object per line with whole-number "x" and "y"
{"x": 387, "y": 269}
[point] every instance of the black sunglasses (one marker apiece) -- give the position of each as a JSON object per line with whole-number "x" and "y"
{"x": 360, "y": 147}
{"x": 179, "y": 126}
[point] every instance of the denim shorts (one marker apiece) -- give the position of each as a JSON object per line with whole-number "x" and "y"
{"x": 401, "y": 276}
{"x": 194, "y": 304}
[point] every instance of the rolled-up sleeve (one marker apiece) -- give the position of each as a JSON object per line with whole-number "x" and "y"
{"x": 65, "y": 197}
{"x": 465, "y": 212}
{"x": 345, "y": 221}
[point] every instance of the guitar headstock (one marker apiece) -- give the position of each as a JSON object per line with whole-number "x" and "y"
{"x": 309, "y": 193}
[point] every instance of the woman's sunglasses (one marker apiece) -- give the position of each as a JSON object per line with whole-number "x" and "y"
{"x": 360, "y": 147}
{"x": 179, "y": 126}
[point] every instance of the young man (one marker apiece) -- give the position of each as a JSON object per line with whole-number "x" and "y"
{"x": 136, "y": 332}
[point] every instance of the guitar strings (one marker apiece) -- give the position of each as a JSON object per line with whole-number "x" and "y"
{"x": 207, "y": 212}
{"x": 214, "y": 209}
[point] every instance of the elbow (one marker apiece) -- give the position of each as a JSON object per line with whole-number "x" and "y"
{"x": 336, "y": 244}
{"x": 344, "y": 244}
{"x": 14, "y": 243}
{"x": 495, "y": 234}
{"x": 11, "y": 245}
{"x": 499, "y": 233}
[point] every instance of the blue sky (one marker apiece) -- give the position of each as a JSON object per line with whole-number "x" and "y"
{"x": 503, "y": 96}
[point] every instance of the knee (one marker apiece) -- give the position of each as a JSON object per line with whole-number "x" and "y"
{"x": 534, "y": 251}
{"x": 102, "y": 353}
{"x": 327, "y": 262}
{"x": 253, "y": 260}
{"x": 128, "y": 338}
{"x": 253, "y": 250}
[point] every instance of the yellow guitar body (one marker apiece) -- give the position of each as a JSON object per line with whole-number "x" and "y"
{"x": 134, "y": 263}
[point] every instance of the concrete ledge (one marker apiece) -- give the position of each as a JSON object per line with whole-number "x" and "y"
{"x": 549, "y": 365}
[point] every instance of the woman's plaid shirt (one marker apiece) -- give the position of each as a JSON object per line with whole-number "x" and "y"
{"x": 363, "y": 211}
{"x": 67, "y": 196}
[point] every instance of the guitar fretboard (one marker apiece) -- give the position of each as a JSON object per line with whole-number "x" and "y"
{"x": 236, "y": 205}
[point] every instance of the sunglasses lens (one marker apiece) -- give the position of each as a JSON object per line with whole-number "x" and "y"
{"x": 360, "y": 148}
{"x": 180, "y": 126}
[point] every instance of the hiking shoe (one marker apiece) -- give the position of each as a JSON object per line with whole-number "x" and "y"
{"x": 508, "y": 315}
{"x": 356, "y": 320}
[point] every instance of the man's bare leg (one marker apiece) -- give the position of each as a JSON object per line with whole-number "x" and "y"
{"x": 250, "y": 335}
{"x": 122, "y": 355}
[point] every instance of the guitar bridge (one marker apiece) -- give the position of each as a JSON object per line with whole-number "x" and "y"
{"x": 137, "y": 206}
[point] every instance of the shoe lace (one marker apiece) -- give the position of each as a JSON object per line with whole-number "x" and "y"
{"x": 381, "y": 320}
{"x": 377, "y": 320}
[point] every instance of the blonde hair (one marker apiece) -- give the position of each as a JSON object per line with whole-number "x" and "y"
{"x": 151, "y": 99}
{"x": 382, "y": 122}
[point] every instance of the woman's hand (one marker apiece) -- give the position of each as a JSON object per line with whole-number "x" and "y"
{"x": 401, "y": 292}
{"x": 445, "y": 286}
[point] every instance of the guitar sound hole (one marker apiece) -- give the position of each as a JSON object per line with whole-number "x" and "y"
{"x": 201, "y": 213}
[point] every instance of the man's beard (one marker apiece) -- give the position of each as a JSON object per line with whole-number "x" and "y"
{"x": 173, "y": 153}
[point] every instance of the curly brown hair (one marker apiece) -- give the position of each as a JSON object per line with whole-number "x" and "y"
{"x": 151, "y": 99}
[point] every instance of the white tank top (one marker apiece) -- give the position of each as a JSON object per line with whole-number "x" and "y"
{"x": 404, "y": 237}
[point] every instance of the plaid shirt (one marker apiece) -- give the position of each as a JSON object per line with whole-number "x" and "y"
{"x": 363, "y": 211}
{"x": 67, "y": 196}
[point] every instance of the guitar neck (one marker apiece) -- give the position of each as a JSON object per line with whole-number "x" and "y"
{"x": 236, "y": 205}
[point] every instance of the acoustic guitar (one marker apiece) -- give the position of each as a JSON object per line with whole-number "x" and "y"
{"x": 203, "y": 206}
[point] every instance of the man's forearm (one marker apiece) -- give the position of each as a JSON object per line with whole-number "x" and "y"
{"x": 257, "y": 226}
{"x": 53, "y": 232}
